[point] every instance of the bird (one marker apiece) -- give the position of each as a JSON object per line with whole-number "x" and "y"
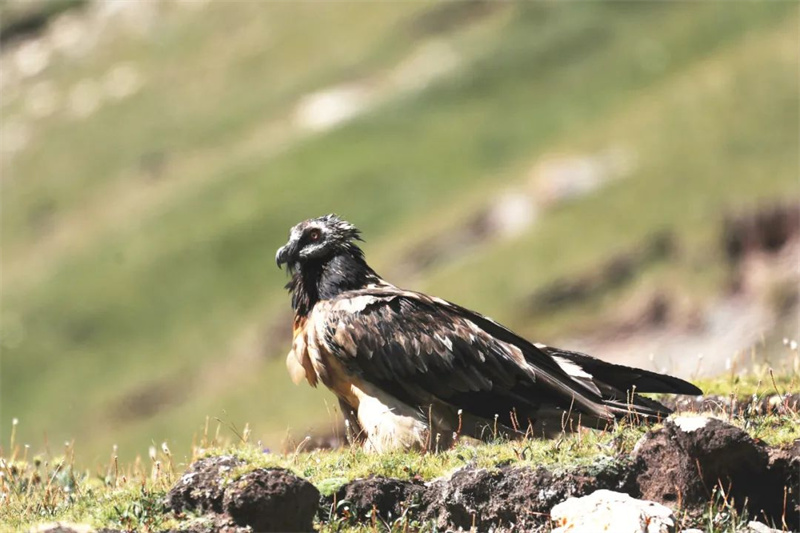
{"x": 413, "y": 371}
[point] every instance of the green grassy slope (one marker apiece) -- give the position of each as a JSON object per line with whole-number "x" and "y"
{"x": 151, "y": 292}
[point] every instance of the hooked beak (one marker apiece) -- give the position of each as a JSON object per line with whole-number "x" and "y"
{"x": 282, "y": 256}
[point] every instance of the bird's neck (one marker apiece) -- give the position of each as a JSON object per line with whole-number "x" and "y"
{"x": 322, "y": 280}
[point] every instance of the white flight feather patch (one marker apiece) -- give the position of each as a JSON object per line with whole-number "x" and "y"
{"x": 577, "y": 373}
{"x": 356, "y": 304}
{"x": 572, "y": 368}
{"x": 444, "y": 340}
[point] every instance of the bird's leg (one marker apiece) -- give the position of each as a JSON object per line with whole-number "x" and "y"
{"x": 354, "y": 432}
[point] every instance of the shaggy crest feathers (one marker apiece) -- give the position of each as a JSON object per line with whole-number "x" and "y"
{"x": 323, "y": 260}
{"x": 342, "y": 228}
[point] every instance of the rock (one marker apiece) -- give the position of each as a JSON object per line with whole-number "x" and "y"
{"x": 784, "y": 471}
{"x": 758, "y": 527}
{"x": 686, "y": 458}
{"x": 327, "y": 108}
{"x": 691, "y": 456}
{"x": 272, "y": 499}
{"x": 208, "y": 524}
{"x": 390, "y": 498}
{"x": 62, "y": 527}
{"x": 512, "y": 497}
{"x": 201, "y": 488}
{"x": 606, "y": 510}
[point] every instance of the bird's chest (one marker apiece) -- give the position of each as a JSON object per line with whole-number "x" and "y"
{"x": 311, "y": 357}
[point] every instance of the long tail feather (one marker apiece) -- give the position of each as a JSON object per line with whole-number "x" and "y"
{"x": 626, "y": 378}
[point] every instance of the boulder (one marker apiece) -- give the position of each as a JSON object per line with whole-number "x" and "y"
{"x": 514, "y": 498}
{"x": 784, "y": 472}
{"x": 272, "y": 499}
{"x": 606, "y": 510}
{"x": 390, "y": 498}
{"x": 201, "y": 489}
{"x": 691, "y": 456}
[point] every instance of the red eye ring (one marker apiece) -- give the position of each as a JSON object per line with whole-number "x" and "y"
{"x": 314, "y": 235}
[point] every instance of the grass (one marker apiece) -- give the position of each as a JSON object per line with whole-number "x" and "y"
{"x": 153, "y": 289}
{"x": 48, "y": 484}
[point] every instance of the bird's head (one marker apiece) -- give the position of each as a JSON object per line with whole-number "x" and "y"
{"x": 316, "y": 240}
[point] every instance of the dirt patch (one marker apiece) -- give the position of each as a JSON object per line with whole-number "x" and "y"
{"x": 766, "y": 229}
{"x": 147, "y": 399}
{"x": 449, "y": 16}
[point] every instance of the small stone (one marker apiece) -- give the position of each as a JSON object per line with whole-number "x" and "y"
{"x": 758, "y": 527}
{"x": 689, "y": 423}
{"x": 606, "y": 510}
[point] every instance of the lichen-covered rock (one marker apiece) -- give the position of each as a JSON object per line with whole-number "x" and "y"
{"x": 606, "y": 510}
{"x": 272, "y": 499}
{"x": 201, "y": 488}
{"x": 691, "y": 456}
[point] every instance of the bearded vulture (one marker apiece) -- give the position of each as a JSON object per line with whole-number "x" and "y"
{"x": 415, "y": 371}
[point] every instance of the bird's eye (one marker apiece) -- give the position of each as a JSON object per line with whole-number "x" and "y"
{"x": 314, "y": 235}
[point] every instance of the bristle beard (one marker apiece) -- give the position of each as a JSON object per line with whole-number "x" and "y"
{"x": 323, "y": 279}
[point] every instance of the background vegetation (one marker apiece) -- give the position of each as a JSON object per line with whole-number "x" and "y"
{"x": 139, "y": 292}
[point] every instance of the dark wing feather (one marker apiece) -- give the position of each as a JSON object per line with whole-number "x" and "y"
{"x": 625, "y": 378}
{"x": 417, "y": 348}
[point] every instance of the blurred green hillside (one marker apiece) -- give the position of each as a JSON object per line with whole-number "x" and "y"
{"x": 139, "y": 289}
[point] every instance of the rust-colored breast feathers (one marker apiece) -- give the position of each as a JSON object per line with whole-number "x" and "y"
{"x": 298, "y": 361}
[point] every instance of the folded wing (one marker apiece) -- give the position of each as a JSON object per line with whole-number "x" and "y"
{"x": 423, "y": 350}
